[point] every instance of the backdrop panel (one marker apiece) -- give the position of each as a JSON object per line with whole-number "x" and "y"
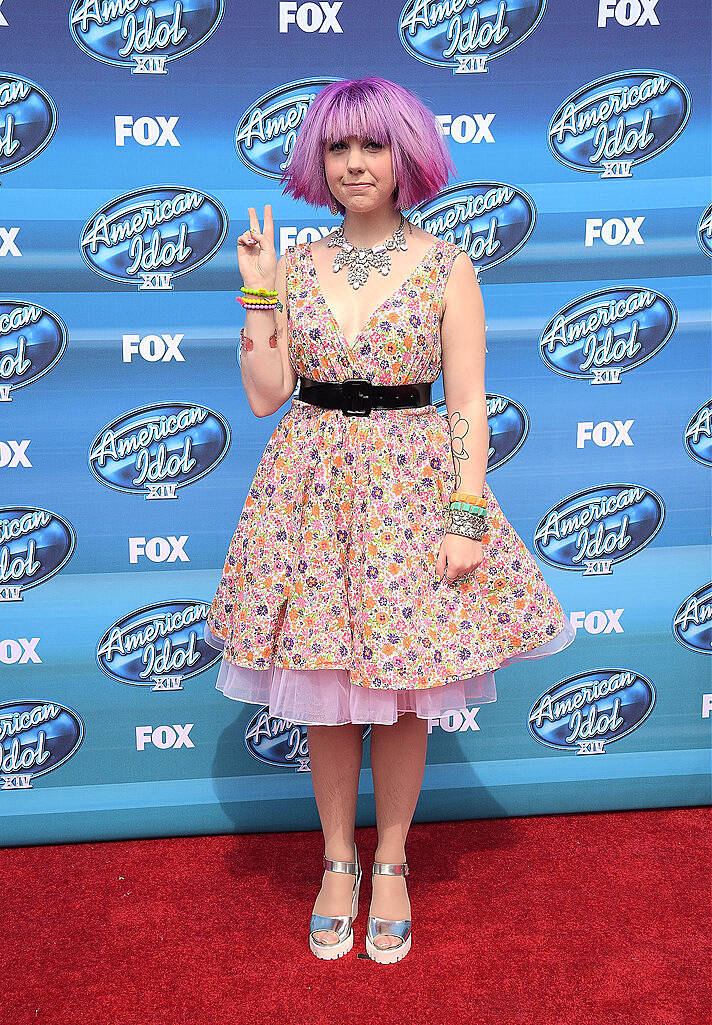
{"x": 130, "y": 150}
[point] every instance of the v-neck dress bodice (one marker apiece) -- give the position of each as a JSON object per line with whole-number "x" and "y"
{"x": 328, "y": 608}
{"x": 400, "y": 341}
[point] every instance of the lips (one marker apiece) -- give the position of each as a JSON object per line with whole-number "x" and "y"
{"x": 358, "y": 185}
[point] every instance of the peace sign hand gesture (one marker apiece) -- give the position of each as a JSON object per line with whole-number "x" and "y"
{"x": 256, "y": 255}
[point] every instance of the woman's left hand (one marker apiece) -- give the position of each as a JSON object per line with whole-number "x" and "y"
{"x": 457, "y": 557}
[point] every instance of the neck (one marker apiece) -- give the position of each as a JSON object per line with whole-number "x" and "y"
{"x": 370, "y": 229}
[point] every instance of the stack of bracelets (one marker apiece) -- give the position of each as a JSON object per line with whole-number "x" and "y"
{"x": 467, "y": 515}
{"x": 259, "y": 299}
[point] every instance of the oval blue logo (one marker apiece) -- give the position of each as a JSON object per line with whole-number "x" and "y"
{"x": 153, "y": 235}
{"x": 600, "y": 335}
{"x": 279, "y": 742}
{"x": 29, "y": 121}
{"x": 159, "y": 645}
{"x": 491, "y": 221}
{"x": 266, "y": 131}
{"x": 598, "y": 527}
{"x": 32, "y": 341}
{"x": 34, "y": 545}
{"x": 36, "y": 737}
{"x": 154, "y": 450}
{"x": 698, "y": 435}
{"x": 463, "y": 37}
{"x": 143, "y": 36}
{"x": 704, "y": 231}
{"x": 692, "y": 622}
{"x": 619, "y": 121}
{"x": 508, "y": 424}
{"x": 585, "y": 712}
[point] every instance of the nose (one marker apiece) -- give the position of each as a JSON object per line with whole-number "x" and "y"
{"x": 355, "y": 159}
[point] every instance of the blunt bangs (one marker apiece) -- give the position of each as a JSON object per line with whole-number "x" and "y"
{"x": 381, "y": 110}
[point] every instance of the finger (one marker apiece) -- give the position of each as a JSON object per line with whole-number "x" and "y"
{"x": 254, "y": 223}
{"x": 268, "y": 233}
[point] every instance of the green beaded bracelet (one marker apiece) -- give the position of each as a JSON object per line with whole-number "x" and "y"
{"x": 468, "y": 507}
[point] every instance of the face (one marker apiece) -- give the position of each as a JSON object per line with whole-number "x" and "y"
{"x": 365, "y": 161}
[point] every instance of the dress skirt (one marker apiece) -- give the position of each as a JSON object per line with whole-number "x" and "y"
{"x": 325, "y": 697}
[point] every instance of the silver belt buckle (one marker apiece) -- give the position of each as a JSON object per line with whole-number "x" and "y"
{"x": 356, "y": 396}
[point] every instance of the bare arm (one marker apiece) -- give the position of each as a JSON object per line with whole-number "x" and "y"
{"x": 463, "y": 345}
{"x": 267, "y": 374}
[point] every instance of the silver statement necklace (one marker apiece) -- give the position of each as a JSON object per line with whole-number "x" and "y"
{"x": 360, "y": 261}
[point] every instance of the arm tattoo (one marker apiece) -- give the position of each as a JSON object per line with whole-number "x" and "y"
{"x": 459, "y": 427}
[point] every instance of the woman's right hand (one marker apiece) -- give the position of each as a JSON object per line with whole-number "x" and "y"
{"x": 256, "y": 255}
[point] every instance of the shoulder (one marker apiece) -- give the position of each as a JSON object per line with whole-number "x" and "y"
{"x": 458, "y": 260}
{"x": 461, "y": 277}
{"x": 452, "y": 249}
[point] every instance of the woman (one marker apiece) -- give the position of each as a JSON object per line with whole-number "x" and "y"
{"x": 372, "y": 577}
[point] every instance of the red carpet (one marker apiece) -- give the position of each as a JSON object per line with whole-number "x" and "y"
{"x": 600, "y": 919}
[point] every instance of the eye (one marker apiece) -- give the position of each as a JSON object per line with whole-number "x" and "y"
{"x": 371, "y": 142}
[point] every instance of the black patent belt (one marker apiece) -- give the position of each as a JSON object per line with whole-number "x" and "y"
{"x": 357, "y": 397}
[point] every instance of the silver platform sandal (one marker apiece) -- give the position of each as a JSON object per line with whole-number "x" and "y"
{"x": 387, "y": 926}
{"x": 342, "y": 925}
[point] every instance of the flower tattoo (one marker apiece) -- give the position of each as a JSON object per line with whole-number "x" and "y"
{"x": 459, "y": 427}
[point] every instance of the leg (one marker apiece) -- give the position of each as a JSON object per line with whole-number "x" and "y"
{"x": 398, "y": 761}
{"x": 335, "y": 754}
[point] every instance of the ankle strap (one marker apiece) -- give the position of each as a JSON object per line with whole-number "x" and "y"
{"x": 351, "y": 867}
{"x": 383, "y": 868}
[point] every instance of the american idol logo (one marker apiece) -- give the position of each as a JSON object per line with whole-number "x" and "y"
{"x": 35, "y": 737}
{"x": 143, "y": 35}
{"x": 28, "y": 120}
{"x": 279, "y": 742}
{"x": 692, "y": 622}
{"x": 153, "y": 235}
{"x": 32, "y": 341}
{"x": 587, "y": 711}
{"x": 698, "y": 435}
{"x": 598, "y": 527}
{"x": 508, "y": 428}
{"x": 491, "y": 221}
{"x": 266, "y": 132}
{"x": 159, "y": 645}
{"x": 34, "y": 545}
{"x": 154, "y": 450}
{"x": 619, "y": 121}
{"x": 602, "y": 334}
{"x": 704, "y": 231}
{"x": 466, "y": 36}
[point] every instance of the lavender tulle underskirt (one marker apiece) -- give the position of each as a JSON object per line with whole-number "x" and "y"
{"x": 326, "y": 697}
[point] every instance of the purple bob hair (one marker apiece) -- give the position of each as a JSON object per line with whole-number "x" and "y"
{"x": 377, "y": 109}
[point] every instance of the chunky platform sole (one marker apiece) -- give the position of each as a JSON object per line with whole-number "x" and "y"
{"x": 330, "y": 951}
{"x": 387, "y": 955}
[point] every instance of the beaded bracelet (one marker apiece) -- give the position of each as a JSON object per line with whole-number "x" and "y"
{"x": 259, "y": 304}
{"x": 259, "y": 291}
{"x": 476, "y": 510}
{"x": 463, "y": 496}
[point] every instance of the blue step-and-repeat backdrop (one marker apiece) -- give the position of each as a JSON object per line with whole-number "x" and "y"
{"x": 133, "y": 138}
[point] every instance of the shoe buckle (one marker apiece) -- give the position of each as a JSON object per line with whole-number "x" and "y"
{"x": 356, "y": 395}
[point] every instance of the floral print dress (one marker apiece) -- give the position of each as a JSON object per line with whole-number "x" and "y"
{"x": 328, "y": 609}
